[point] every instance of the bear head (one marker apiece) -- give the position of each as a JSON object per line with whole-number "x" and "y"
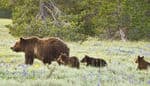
{"x": 85, "y": 59}
{"x": 19, "y": 45}
{"x": 139, "y": 59}
{"x": 63, "y": 58}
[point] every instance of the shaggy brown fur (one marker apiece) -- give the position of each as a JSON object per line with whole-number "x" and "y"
{"x": 71, "y": 61}
{"x": 93, "y": 61}
{"x": 142, "y": 64}
{"x": 44, "y": 49}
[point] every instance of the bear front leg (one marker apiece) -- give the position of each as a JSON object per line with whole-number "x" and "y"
{"x": 59, "y": 63}
{"x": 87, "y": 64}
{"x": 29, "y": 58}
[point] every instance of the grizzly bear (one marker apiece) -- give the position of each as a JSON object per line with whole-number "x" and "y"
{"x": 44, "y": 49}
{"x": 142, "y": 64}
{"x": 93, "y": 61}
{"x": 71, "y": 61}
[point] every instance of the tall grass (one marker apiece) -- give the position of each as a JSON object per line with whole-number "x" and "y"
{"x": 120, "y": 56}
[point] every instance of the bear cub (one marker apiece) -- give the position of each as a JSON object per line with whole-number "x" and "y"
{"x": 142, "y": 64}
{"x": 94, "y": 61}
{"x": 70, "y": 61}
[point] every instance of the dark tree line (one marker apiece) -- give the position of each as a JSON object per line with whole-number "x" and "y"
{"x": 79, "y": 19}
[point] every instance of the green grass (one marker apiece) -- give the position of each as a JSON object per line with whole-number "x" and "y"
{"x": 120, "y": 56}
{"x": 5, "y": 22}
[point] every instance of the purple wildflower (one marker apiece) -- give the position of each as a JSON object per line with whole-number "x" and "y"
{"x": 148, "y": 82}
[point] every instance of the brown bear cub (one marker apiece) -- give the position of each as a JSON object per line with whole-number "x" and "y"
{"x": 71, "y": 61}
{"x": 142, "y": 64}
{"x": 94, "y": 61}
{"x": 44, "y": 49}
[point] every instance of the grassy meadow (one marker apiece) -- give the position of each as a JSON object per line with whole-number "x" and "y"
{"x": 120, "y": 56}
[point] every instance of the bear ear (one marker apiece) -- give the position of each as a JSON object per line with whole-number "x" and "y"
{"x": 22, "y": 39}
{"x": 142, "y": 57}
{"x": 86, "y": 56}
{"x": 138, "y": 56}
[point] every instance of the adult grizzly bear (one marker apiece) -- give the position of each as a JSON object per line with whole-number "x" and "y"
{"x": 142, "y": 64}
{"x": 70, "y": 61}
{"x": 93, "y": 61}
{"x": 44, "y": 49}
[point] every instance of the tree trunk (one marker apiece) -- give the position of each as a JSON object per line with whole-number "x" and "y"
{"x": 123, "y": 34}
{"x": 122, "y": 30}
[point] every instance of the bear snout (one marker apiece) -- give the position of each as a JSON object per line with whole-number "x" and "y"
{"x": 83, "y": 60}
{"x": 136, "y": 61}
{"x": 11, "y": 48}
{"x": 14, "y": 49}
